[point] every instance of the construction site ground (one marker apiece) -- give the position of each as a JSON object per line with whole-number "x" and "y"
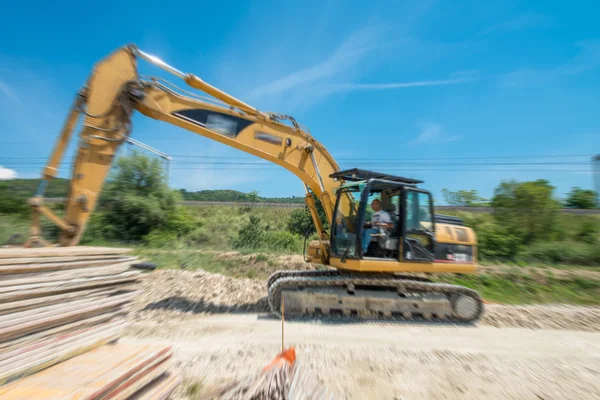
{"x": 221, "y": 332}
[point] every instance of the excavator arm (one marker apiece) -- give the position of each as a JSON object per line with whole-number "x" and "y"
{"x": 115, "y": 91}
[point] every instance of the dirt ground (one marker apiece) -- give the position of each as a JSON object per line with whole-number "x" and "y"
{"x": 221, "y": 333}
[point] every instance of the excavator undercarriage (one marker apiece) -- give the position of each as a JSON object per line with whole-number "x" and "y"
{"x": 339, "y": 294}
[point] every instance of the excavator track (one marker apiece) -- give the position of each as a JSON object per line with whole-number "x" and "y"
{"x": 355, "y": 296}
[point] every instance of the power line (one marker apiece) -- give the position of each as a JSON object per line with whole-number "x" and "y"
{"x": 274, "y": 168}
{"x": 408, "y": 159}
{"x": 23, "y": 162}
{"x": 361, "y": 158}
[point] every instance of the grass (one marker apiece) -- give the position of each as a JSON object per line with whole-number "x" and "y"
{"x": 514, "y": 285}
{"x": 220, "y": 224}
{"x": 209, "y": 248}
{"x": 237, "y": 265}
{"x": 521, "y": 286}
{"x": 13, "y": 224}
{"x": 194, "y": 389}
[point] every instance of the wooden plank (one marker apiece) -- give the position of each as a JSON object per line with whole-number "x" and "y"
{"x": 22, "y": 252}
{"x": 81, "y": 346}
{"x": 122, "y": 373}
{"x": 57, "y": 309}
{"x": 47, "y": 277}
{"x": 123, "y": 392}
{"x": 11, "y": 345}
{"x": 66, "y": 259}
{"x": 34, "y": 325}
{"x": 59, "y": 266}
{"x": 69, "y": 286}
{"x": 130, "y": 383}
{"x": 36, "y": 349}
{"x": 28, "y": 304}
{"x": 64, "y": 282}
{"x": 83, "y": 376}
{"x": 160, "y": 389}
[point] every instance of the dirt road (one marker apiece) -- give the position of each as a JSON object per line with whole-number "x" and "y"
{"x": 389, "y": 360}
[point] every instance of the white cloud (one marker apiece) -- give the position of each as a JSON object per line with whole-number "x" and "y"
{"x": 7, "y": 91}
{"x": 351, "y": 52}
{"x": 7, "y": 173}
{"x": 396, "y": 85}
{"x": 337, "y": 72}
{"x": 433, "y": 133}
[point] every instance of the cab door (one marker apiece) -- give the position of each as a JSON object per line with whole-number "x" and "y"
{"x": 418, "y": 238}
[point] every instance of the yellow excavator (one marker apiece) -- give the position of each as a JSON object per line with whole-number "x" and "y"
{"x": 382, "y": 228}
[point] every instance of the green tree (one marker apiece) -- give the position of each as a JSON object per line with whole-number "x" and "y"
{"x": 527, "y": 210}
{"x": 580, "y": 198}
{"x": 137, "y": 200}
{"x": 301, "y": 222}
{"x": 251, "y": 235}
{"x": 463, "y": 198}
{"x": 253, "y": 196}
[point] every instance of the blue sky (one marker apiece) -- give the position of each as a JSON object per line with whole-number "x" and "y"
{"x": 379, "y": 83}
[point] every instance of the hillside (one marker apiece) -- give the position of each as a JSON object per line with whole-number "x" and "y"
{"x": 25, "y": 188}
{"x": 234, "y": 195}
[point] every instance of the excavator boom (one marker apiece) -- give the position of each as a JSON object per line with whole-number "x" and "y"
{"x": 115, "y": 90}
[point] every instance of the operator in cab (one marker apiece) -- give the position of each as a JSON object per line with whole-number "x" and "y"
{"x": 379, "y": 219}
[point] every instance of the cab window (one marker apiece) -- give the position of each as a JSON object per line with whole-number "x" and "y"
{"x": 345, "y": 222}
{"x": 418, "y": 211}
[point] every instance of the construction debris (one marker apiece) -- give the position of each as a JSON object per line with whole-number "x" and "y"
{"x": 59, "y": 304}
{"x": 282, "y": 379}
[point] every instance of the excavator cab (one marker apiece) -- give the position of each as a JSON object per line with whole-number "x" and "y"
{"x": 408, "y": 231}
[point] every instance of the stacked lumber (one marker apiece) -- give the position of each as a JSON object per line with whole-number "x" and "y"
{"x": 60, "y": 303}
{"x": 116, "y": 372}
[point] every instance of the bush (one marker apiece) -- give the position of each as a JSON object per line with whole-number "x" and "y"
{"x": 282, "y": 241}
{"x": 464, "y": 198}
{"x": 301, "y": 222}
{"x": 138, "y": 201}
{"x": 580, "y": 198}
{"x": 588, "y": 233}
{"x": 161, "y": 239}
{"x": 9, "y": 205}
{"x": 498, "y": 243}
{"x": 527, "y": 209}
{"x": 563, "y": 253}
{"x": 253, "y": 235}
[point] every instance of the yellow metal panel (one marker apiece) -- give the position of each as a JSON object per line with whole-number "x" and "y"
{"x": 103, "y": 132}
{"x": 396, "y": 266}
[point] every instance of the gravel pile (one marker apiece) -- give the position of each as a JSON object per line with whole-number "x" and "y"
{"x": 190, "y": 293}
{"x": 579, "y": 318}
{"x": 172, "y": 294}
